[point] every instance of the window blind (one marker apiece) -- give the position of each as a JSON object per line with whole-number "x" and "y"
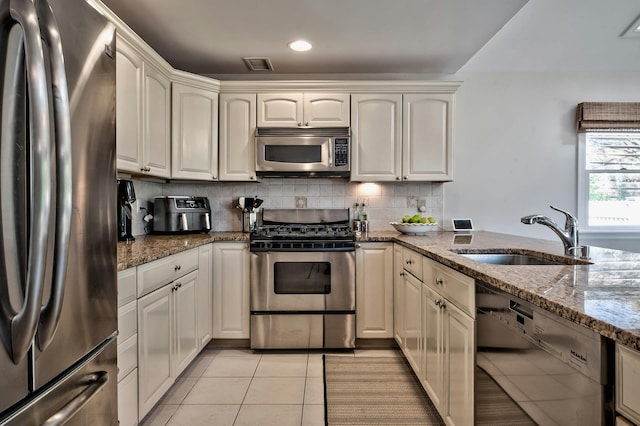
{"x": 608, "y": 116}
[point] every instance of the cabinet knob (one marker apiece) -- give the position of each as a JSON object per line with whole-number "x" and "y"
{"x": 406, "y": 177}
{"x": 443, "y": 305}
{"x": 299, "y": 124}
{"x": 358, "y": 245}
{"x": 437, "y": 302}
{"x": 179, "y": 285}
{"x": 439, "y": 281}
{"x": 214, "y": 177}
{"x": 397, "y": 177}
{"x": 177, "y": 268}
{"x": 402, "y": 274}
{"x": 252, "y": 177}
{"x": 306, "y": 124}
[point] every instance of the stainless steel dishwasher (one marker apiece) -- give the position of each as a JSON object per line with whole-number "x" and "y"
{"x": 553, "y": 370}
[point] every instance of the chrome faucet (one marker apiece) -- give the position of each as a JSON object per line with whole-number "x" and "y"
{"x": 568, "y": 236}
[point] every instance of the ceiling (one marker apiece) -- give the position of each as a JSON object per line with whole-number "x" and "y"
{"x": 349, "y": 36}
{"x": 382, "y": 37}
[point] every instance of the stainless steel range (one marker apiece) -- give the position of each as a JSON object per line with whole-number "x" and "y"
{"x": 303, "y": 280}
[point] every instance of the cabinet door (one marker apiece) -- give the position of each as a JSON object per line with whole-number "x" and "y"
{"x": 230, "y": 291}
{"x": 433, "y": 343}
{"x": 194, "y": 133}
{"x": 185, "y": 310}
{"x": 155, "y": 334}
{"x": 237, "y": 137}
{"x": 280, "y": 109}
{"x": 326, "y": 109}
{"x": 128, "y": 107}
{"x": 460, "y": 363}
{"x": 376, "y": 137}
{"x": 628, "y": 382}
{"x": 374, "y": 290}
{"x": 427, "y": 126}
{"x": 156, "y": 118}
{"x": 204, "y": 297}
{"x": 398, "y": 285}
{"x": 413, "y": 322}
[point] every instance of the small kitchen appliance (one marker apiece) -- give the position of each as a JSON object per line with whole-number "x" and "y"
{"x": 181, "y": 214}
{"x": 126, "y": 197}
{"x": 250, "y": 207}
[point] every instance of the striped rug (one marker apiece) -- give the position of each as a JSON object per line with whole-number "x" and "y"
{"x": 375, "y": 391}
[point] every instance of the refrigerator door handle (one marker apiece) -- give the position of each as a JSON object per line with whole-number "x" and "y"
{"x": 50, "y": 313}
{"x": 94, "y": 382}
{"x": 23, "y": 324}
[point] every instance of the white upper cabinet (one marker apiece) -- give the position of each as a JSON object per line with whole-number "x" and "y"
{"x": 157, "y": 119}
{"x": 401, "y": 137}
{"x": 298, "y": 109}
{"x": 194, "y": 132}
{"x": 326, "y": 109}
{"x": 142, "y": 114}
{"x": 128, "y": 107}
{"x": 237, "y": 136}
{"x": 376, "y": 137}
{"x": 427, "y": 127}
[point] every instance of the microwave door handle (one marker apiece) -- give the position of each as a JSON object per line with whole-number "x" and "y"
{"x": 50, "y": 313}
{"x": 23, "y": 324}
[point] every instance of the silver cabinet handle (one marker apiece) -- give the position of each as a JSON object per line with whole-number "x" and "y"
{"x": 50, "y": 313}
{"x": 406, "y": 177}
{"x": 437, "y": 303}
{"x": 207, "y": 221}
{"x": 402, "y": 274}
{"x": 439, "y": 281}
{"x": 94, "y": 383}
{"x": 24, "y": 323}
{"x": 214, "y": 177}
{"x": 397, "y": 177}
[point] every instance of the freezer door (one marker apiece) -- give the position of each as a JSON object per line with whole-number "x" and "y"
{"x": 86, "y": 395}
{"x": 89, "y": 302}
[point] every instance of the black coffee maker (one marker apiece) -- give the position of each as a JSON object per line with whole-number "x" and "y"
{"x": 126, "y": 197}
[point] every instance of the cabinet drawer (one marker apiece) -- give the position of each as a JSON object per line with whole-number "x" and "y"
{"x": 128, "y": 400}
{"x": 127, "y": 356}
{"x": 628, "y": 382}
{"x": 412, "y": 262}
{"x": 127, "y": 321}
{"x": 154, "y": 275}
{"x": 457, "y": 287}
{"x": 126, "y": 286}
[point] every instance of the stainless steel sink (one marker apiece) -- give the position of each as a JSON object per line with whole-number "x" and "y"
{"x": 520, "y": 259}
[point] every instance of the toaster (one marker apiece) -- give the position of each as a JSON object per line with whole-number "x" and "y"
{"x": 175, "y": 214}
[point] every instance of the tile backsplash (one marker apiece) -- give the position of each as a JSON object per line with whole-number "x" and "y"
{"x": 387, "y": 202}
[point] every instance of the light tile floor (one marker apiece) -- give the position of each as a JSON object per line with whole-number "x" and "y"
{"x": 240, "y": 387}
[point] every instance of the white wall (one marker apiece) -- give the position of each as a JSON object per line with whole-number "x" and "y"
{"x": 516, "y": 146}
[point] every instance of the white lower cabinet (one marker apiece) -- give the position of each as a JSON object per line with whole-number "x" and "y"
{"x": 628, "y": 383}
{"x": 230, "y": 290}
{"x": 412, "y": 322}
{"x": 167, "y": 340}
{"x": 398, "y": 284}
{"x": 449, "y": 343}
{"x": 127, "y": 348}
{"x": 128, "y": 400}
{"x": 374, "y": 290}
{"x": 204, "y": 295}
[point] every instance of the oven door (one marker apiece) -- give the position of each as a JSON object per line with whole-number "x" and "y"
{"x": 302, "y": 281}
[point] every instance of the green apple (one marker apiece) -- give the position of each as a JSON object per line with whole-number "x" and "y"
{"x": 406, "y": 219}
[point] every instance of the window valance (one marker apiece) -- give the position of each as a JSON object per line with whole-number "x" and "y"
{"x": 608, "y": 116}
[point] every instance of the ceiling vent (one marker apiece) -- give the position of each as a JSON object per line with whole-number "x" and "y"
{"x": 258, "y": 64}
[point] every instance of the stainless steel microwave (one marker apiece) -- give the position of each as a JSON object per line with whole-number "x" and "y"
{"x": 291, "y": 152}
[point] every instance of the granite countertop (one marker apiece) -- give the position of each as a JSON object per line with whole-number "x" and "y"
{"x": 147, "y": 248}
{"x": 603, "y": 296}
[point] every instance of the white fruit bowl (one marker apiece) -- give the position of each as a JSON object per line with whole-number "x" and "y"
{"x": 413, "y": 228}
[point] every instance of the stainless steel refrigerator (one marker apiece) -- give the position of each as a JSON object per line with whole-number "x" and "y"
{"x": 58, "y": 292}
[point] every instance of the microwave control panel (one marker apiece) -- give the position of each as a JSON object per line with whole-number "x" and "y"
{"x": 341, "y": 152}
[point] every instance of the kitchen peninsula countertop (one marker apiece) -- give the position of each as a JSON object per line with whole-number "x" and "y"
{"x": 603, "y": 296}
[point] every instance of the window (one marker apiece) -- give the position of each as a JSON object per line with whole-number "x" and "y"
{"x": 611, "y": 180}
{"x": 609, "y": 167}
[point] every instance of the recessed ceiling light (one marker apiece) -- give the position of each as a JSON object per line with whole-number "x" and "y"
{"x": 300, "y": 45}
